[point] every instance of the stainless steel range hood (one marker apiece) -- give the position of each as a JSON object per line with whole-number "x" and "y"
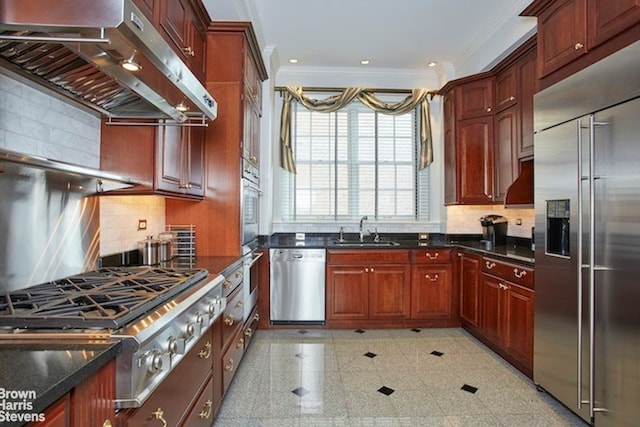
{"x": 76, "y": 47}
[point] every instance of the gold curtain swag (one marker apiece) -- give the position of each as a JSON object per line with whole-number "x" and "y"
{"x": 418, "y": 98}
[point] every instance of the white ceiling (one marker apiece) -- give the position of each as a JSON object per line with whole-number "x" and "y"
{"x": 402, "y": 35}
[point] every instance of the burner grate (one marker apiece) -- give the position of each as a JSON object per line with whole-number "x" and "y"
{"x": 106, "y": 298}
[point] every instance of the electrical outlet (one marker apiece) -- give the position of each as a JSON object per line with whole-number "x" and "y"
{"x": 518, "y": 221}
{"x": 142, "y": 224}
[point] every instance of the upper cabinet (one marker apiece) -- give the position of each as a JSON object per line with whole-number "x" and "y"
{"x": 243, "y": 70}
{"x": 468, "y": 106}
{"x": 573, "y": 34}
{"x": 168, "y": 160}
{"x": 182, "y": 23}
{"x": 488, "y": 129}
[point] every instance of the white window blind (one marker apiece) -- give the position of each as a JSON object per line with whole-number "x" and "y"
{"x": 352, "y": 163}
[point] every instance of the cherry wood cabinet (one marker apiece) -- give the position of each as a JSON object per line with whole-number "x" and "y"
{"x": 56, "y": 415}
{"x": 217, "y": 218}
{"x": 485, "y": 144}
{"x": 432, "y": 284}
{"x": 470, "y": 271}
{"x": 497, "y": 306}
{"x": 90, "y": 403}
{"x": 168, "y": 160}
{"x": 573, "y": 34}
{"x": 469, "y": 140}
{"x": 368, "y": 284}
{"x": 507, "y": 317}
{"x": 505, "y": 151}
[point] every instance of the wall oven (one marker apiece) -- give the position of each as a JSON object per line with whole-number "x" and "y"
{"x": 249, "y": 235}
{"x": 250, "y": 202}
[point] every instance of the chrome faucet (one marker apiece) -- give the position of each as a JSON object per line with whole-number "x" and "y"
{"x": 361, "y": 232}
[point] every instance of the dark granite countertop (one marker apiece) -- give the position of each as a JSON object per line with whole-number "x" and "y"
{"x": 47, "y": 370}
{"x": 516, "y": 250}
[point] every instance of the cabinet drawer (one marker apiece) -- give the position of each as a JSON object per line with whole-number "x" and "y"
{"x": 512, "y": 272}
{"x": 201, "y": 414}
{"x": 231, "y": 359}
{"x": 231, "y": 281}
{"x": 430, "y": 256}
{"x": 373, "y": 256}
{"x": 252, "y": 326}
{"x": 232, "y": 317}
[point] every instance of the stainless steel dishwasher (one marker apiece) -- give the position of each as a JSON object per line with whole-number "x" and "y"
{"x": 297, "y": 286}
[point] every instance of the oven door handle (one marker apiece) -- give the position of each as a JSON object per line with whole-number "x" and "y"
{"x": 255, "y": 258}
{"x": 252, "y": 186}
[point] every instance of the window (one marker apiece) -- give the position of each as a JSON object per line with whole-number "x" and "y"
{"x": 352, "y": 163}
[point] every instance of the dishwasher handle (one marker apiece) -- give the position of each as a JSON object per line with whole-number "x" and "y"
{"x": 297, "y": 256}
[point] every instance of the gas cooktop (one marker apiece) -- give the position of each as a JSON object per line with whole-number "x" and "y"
{"x": 107, "y": 298}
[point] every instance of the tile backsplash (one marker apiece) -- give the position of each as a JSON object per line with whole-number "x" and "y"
{"x": 119, "y": 216}
{"x": 33, "y": 122}
{"x": 466, "y": 219}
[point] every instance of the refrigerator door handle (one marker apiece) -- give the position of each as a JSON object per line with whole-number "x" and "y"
{"x": 580, "y": 265}
{"x": 592, "y": 242}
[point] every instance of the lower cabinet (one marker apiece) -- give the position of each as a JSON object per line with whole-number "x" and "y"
{"x": 364, "y": 285}
{"x": 90, "y": 403}
{"x": 432, "y": 284}
{"x": 470, "y": 274}
{"x": 498, "y": 307}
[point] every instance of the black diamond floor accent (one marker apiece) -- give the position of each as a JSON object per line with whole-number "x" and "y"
{"x": 386, "y": 390}
{"x": 301, "y": 355}
{"x": 370, "y": 355}
{"x": 360, "y": 331}
{"x": 300, "y": 391}
{"x": 303, "y": 331}
{"x": 437, "y": 353}
{"x": 416, "y": 330}
{"x": 471, "y": 389}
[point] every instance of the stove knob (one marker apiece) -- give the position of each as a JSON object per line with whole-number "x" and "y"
{"x": 212, "y": 308}
{"x": 158, "y": 361}
{"x": 177, "y": 346}
{"x": 200, "y": 323}
{"x": 189, "y": 330}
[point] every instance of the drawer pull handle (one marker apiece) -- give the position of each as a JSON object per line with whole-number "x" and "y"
{"x": 229, "y": 320}
{"x": 205, "y": 353}
{"x": 489, "y": 265}
{"x": 431, "y": 278}
{"x": 107, "y": 423}
{"x": 240, "y": 304}
{"x": 578, "y": 46}
{"x": 226, "y": 284}
{"x": 159, "y": 415}
{"x": 238, "y": 274}
{"x": 519, "y": 274}
{"x": 240, "y": 343}
{"x": 434, "y": 256}
{"x": 257, "y": 317}
{"x": 503, "y": 286}
{"x": 248, "y": 333}
{"x": 229, "y": 365}
{"x": 206, "y": 410}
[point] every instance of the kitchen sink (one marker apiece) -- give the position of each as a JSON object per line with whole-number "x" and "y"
{"x": 366, "y": 244}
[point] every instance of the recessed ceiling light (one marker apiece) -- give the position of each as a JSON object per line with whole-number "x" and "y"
{"x": 432, "y": 64}
{"x": 293, "y": 60}
{"x": 365, "y": 62}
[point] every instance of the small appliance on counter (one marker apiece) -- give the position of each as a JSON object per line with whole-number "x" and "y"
{"x": 494, "y": 231}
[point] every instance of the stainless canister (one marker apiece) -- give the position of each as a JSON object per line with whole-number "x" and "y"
{"x": 166, "y": 246}
{"x": 149, "y": 251}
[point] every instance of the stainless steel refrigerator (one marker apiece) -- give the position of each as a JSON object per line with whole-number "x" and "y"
{"x": 587, "y": 240}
